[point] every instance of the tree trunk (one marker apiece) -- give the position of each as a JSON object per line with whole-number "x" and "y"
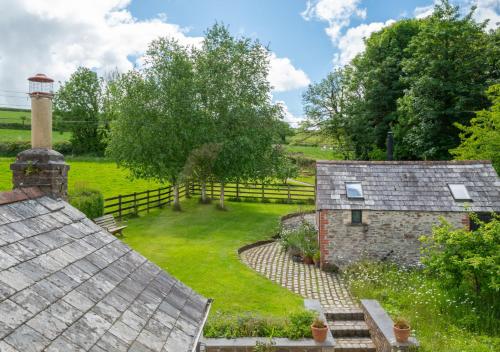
{"x": 177, "y": 204}
{"x": 221, "y": 202}
{"x": 186, "y": 186}
{"x": 204, "y": 192}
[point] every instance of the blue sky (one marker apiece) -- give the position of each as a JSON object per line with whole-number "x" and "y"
{"x": 275, "y": 22}
{"x": 307, "y": 38}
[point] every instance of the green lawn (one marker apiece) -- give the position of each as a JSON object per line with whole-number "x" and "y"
{"x": 98, "y": 173}
{"x": 317, "y": 153}
{"x": 199, "y": 247}
{"x": 8, "y": 135}
{"x": 7, "y": 116}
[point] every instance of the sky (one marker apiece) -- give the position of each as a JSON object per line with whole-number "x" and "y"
{"x": 307, "y": 38}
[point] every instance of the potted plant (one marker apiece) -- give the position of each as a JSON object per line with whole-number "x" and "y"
{"x": 319, "y": 330}
{"x": 401, "y": 330}
{"x": 317, "y": 258}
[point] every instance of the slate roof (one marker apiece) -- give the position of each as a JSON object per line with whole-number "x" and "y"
{"x": 68, "y": 285}
{"x": 407, "y": 185}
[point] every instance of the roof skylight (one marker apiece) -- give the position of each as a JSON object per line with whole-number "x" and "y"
{"x": 354, "y": 190}
{"x": 459, "y": 191}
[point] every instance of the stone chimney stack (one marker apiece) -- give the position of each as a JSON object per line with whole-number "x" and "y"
{"x": 41, "y": 166}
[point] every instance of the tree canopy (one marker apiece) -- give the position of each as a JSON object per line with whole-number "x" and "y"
{"x": 205, "y": 113}
{"x": 420, "y": 78}
{"x": 481, "y": 139}
{"x": 78, "y": 104}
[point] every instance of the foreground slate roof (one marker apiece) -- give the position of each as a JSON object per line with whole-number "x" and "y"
{"x": 67, "y": 285}
{"x": 407, "y": 185}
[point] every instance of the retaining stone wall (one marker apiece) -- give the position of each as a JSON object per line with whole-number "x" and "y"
{"x": 393, "y": 235}
{"x": 380, "y": 326}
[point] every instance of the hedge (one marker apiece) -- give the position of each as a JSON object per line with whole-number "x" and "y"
{"x": 13, "y": 148}
{"x": 89, "y": 201}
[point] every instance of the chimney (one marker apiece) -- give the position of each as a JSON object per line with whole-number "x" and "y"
{"x": 41, "y": 166}
{"x": 390, "y": 145}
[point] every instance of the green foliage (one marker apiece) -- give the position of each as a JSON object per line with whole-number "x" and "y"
{"x": 468, "y": 260}
{"x": 447, "y": 74}
{"x": 158, "y": 123}
{"x": 296, "y": 326}
{"x": 89, "y": 201}
{"x": 77, "y": 106}
{"x": 481, "y": 139}
{"x": 235, "y": 97}
{"x": 264, "y": 347}
{"x": 418, "y": 77}
{"x": 302, "y": 239}
{"x": 325, "y": 106}
{"x": 442, "y": 319}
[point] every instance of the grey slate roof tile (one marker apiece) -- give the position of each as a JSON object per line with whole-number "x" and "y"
{"x": 26, "y": 339}
{"x": 5, "y": 347}
{"x": 62, "y": 344}
{"x": 68, "y": 285}
{"x": 410, "y": 185}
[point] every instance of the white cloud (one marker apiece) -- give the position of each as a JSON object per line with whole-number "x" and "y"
{"x": 283, "y": 76}
{"x": 352, "y": 42}
{"x": 57, "y": 36}
{"x": 337, "y": 13}
{"x": 289, "y": 117}
{"x": 423, "y": 11}
{"x": 487, "y": 10}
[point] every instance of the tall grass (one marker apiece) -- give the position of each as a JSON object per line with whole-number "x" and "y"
{"x": 443, "y": 320}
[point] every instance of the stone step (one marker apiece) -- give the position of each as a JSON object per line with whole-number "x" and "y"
{"x": 354, "y": 344}
{"x": 336, "y": 314}
{"x": 349, "y": 328}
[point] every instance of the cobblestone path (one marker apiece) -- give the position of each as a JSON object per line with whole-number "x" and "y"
{"x": 306, "y": 280}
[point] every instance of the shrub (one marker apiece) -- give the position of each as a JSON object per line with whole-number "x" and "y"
{"x": 89, "y": 201}
{"x": 296, "y": 326}
{"x": 468, "y": 260}
{"x": 401, "y": 323}
{"x": 301, "y": 240}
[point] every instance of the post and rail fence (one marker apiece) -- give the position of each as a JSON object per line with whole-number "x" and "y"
{"x": 125, "y": 205}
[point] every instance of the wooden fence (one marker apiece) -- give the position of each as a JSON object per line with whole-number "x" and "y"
{"x": 125, "y": 205}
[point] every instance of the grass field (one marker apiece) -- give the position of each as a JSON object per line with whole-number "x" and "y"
{"x": 302, "y": 138}
{"x": 7, "y": 135}
{"x": 316, "y": 153}
{"x": 7, "y": 116}
{"x": 98, "y": 173}
{"x": 199, "y": 247}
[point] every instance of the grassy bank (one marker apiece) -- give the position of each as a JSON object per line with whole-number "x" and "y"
{"x": 97, "y": 173}
{"x": 441, "y": 319}
{"x": 199, "y": 247}
{"x": 316, "y": 153}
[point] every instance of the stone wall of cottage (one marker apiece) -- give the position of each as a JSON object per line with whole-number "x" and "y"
{"x": 393, "y": 235}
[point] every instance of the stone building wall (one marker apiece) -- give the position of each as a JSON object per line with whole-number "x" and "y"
{"x": 383, "y": 234}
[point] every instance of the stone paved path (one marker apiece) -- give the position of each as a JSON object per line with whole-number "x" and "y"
{"x": 306, "y": 280}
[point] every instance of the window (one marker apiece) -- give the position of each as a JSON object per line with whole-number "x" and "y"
{"x": 356, "y": 216}
{"x": 459, "y": 191}
{"x": 354, "y": 190}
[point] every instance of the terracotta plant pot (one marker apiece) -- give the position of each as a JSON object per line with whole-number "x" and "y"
{"x": 308, "y": 260}
{"x": 319, "y": 334}
{"x": 401, "y": 334}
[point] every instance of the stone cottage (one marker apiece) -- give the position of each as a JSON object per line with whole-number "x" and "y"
{"x": 66, "y": 284}
{"x": 378, "y": 209}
